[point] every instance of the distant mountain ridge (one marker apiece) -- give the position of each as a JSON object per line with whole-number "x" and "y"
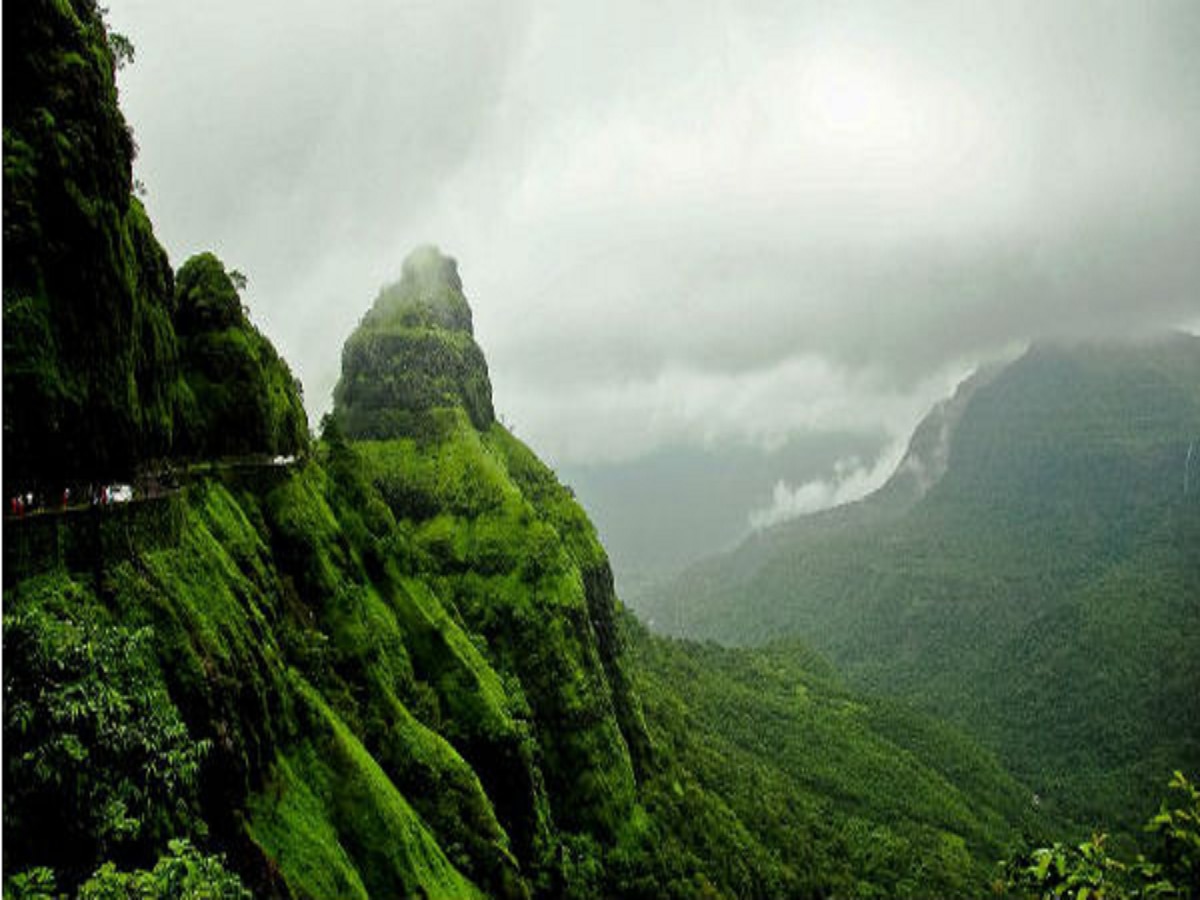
{"x": 1031, "y": 571}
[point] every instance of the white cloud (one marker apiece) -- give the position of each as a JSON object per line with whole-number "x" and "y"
{"x": 850, "y": 480}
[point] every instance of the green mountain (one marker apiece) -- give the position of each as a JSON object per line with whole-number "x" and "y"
{"x": 856, "y": 796}
{"x": 395, "y": 664}
{"x": 1031, "y": 572}
{"x": 88, "y": 346}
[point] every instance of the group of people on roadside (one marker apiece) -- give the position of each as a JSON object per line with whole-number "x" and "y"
{"x": 101, "y": 495}
{"x": 20, "y": 504}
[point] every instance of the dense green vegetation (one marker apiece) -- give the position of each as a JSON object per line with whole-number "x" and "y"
{"x": 838, "y": 791}
{"x": 97, "y": 756}
{"x": 349, "y": 702}
{"x": 184, "y": 872}
{"x": 353, "y": 699}
{"x": 396, "y": 665}
{"x": 109, "y": 364}
{"x": 238, "y": 396}
{"x": 1041, "y": 593}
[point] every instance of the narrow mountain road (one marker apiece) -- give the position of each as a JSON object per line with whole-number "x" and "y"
{"x": 147, "y": 486}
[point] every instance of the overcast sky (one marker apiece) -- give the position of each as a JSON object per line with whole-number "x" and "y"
{"x": 687, "y": 225}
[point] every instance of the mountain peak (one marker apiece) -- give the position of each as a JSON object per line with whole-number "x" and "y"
{"x": 427, "y": 266}
{"x": 413, "y": 353}
{"x": 429, "y": 294}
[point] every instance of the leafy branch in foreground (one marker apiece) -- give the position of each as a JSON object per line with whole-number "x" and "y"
{"x": 184, "y": 874}
{"x": 1086, "y": 871}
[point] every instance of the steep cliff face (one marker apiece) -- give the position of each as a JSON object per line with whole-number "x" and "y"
{"x": 338, "y": 702}
{"x": 108, "y": 365}
{"x": 89, "y": 353}
{"x": 390, "y": 668}
{"x": 927, "y": 458}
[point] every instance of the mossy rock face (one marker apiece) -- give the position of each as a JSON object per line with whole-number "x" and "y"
{"x": 107, "y": 364}
{"x": 413, "y": 353}
{"x": 240, "y": 397}
{"x": 89, "y": 353}
{"x": 500, "y": 538}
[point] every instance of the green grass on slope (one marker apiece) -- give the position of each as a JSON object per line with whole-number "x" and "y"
{"x": 384, "y": 720}
{"x": 328, "y": 803}
{"x": 399, "y": 669}
{"x": 518, "y": 578}
{"x": 291, "y": 823}
{"x": 389, "y": 629}
{"x": 232, "y": 630}
{"x": 400, "y": 702}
